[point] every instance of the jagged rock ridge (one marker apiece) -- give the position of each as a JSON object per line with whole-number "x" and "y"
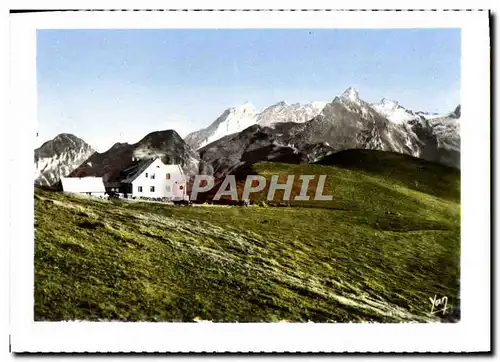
{"x": 58, "y": 157}
{"x": 167, "y": 145}
{"x": 234, "y": 120}
{"x": 348, "y": 122}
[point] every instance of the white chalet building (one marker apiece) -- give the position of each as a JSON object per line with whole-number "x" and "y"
{"x": 151, "y": 178}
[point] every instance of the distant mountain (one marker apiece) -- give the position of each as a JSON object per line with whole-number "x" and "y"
{"x": 457, "y": 112}
{"x": 282, "y": 132}
{"x": 59, "y": 157}
{"x": 348, "y": 122}
{"x": 283, "y": 112}
{"x": 394, "y": 112}
{"x": 440, "y": 138}
{"x": 234, "y": 153}
{"x": 167, "y": 145}
{"x": 231, "y": 121}
{"x": 234, "y": 120}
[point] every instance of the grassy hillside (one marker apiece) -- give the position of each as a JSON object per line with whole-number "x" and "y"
{"x": 376, "y": 252}
{"x": 414, "y": 173}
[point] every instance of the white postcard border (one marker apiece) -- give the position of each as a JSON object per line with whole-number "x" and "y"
{"x": 470, "y": 334}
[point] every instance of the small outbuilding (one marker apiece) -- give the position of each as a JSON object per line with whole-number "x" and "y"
{"x": 84, "y": 185}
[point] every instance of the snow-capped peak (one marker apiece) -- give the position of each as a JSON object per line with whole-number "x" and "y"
{"x": 393, "y": 111}
{"x": 389, "y": 104}
{"x": 238, "y": 118}
{"x": 283, "y": 112}
{"x": 351, "y": 94}
{"x": 246, "y": 108}
{"x": 281, "y": 104}
{"x": 232, "y": 120}
{"x": 59, "y": 157}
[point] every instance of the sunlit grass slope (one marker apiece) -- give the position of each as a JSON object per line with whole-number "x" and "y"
{"x": 377, "y": 252}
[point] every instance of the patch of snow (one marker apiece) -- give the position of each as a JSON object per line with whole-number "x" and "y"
{"x": 394, "y": 145}
{"x": 236, "y": 119}
{"x": 351, "y": 94}
{"x": 282, "y": 112}
{"x": 447, "y": 131}
{"x": 233, "y": 120}
{"x": 49, "y": 170}
{"x": 393, "y": 111}
{"x": 430, "y": 116}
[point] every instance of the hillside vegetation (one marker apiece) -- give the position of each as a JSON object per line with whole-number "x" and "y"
{"x": 377, "y": 252}
{"x": 414, "y": 173}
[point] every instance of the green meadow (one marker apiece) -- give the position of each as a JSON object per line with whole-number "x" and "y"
{"x": 387, "y": 242}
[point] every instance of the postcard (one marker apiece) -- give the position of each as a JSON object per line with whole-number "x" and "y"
{"x": 249, "y": 181}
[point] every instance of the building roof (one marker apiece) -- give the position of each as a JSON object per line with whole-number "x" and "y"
{"x": 129, "y": 174}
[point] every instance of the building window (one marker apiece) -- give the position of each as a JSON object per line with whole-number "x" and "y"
{"x": 169, "y": 188}
{"x": 139, "y": 189}
{"x": 152, "y": 189}
{"x": 168, "y": 176}
{"x": 152, "y": 176}
{"x": 146, "y": 174}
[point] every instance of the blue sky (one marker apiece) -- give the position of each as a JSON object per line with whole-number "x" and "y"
{"x": 108, "y": 86}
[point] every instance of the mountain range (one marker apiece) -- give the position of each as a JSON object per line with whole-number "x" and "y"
{"x": 234, "y": 120}
{"x": 347, "y": 122}
{"x": 290, "y": 133}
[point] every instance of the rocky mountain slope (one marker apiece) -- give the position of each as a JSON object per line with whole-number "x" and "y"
{"x": 167, "y": 145}
{"x": 348, "y": 122}
{"x": 286, "y": 133}
{"x": 283, "y": 112}
{"x": 234, "y": 120}
{"x": 231, "y": 121}
{"x": 59, "y": 157}
{"x": 394, "y": 112}
{"x": 440, "y": 138}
